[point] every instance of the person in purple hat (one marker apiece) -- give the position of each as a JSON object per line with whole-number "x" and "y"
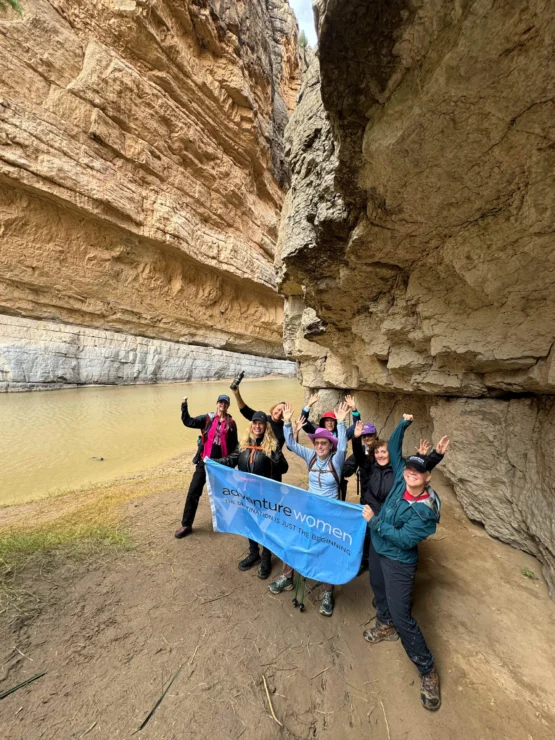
{"x": 325, "y": 465}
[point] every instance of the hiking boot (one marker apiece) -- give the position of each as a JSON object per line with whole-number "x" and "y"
{"x": 430, "y": 695}
{"x": 283, "y": 583}
{"x": 326, "y": 607}
{"x": 381, "y": 632}
{"x": 183, "y": 532}
{"x": 265, "y": 568}
{"x": 252, "y": 559}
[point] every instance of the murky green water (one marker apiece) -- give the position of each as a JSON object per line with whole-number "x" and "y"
{"x": 49, "y": 438}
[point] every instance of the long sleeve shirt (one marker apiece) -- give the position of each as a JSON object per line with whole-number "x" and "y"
{"x": 321, "y": 480}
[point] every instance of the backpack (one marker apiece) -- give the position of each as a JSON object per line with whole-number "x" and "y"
{"x": 332, "y": 470}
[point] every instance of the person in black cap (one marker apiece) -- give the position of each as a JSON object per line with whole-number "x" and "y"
{"x": 409, "y": 515}
{"x": 275, "y": 419}
{"x": 259, "y": 453}
{"x": 218, "y": 438}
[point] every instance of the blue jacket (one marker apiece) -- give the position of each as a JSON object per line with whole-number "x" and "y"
{"x": 401, "y": 524}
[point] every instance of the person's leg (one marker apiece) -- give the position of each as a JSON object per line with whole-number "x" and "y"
{"x": 343, "y": 483}
{"x": 327, "y": 604}
{"x": 266, "y": 564}
{"x": 252, "y": 558}
{"x": 365, "y": 553}
{"x": 383, "y": 629}
{"x": 191, "y": 503}
{"x": 284, "y": 582}
{"x": 399, "y": 578}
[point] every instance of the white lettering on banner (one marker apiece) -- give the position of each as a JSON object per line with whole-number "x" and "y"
{"x": 339, "y": 533}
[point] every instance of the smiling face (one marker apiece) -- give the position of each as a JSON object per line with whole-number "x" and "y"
{"x": 277, "y": 412}
{"x": 222, "y": 407}
{"x": 415, "y": 479}
{"x": 381, "y": 454}
{"x": 329, "y": 424}
{"x": 258, "y": 428}
{"x": 322, "y": 447}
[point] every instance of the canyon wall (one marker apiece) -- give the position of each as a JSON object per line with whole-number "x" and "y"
{"x": 417, "y": 245}
{"x": 142, "y": 167}
{"x": 45, "y": 355}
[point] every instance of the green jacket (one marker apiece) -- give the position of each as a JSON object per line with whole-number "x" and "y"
{"x": 401, "y": 524}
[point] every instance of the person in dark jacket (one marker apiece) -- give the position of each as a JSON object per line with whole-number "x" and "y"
{"x": 259, "y": 453}
{"x": 376, "y": 471}
{"x": 218, "y": 437}
{"x": 275, "y": 420}
{"x": 409, "y": 514}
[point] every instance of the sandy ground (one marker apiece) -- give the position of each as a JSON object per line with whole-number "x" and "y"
{"x": 112, "y": 632}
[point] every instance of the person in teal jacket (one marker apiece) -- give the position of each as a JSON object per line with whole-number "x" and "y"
{"x": 408, "y": 516}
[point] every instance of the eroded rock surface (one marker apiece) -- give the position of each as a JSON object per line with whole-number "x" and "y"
{"x": 45, "y": 355}
{"x": 416, "y": 242}
{"x": 142, "y": 166}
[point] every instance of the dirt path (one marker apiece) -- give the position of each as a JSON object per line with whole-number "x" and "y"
{"x": 113, "y": 632}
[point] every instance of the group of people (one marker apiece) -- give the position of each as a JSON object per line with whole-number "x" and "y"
{"x": 399, "y": 504}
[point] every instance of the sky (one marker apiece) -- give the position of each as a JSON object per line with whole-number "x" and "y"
{"x": 303, "y": 11}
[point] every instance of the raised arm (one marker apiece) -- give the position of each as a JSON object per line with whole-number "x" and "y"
{"x": 350, "y": 401}
{"x": 395, "y": 444}
{"x": 338, "y": 459}
{"x": 358, "y": 452}
{"x": 436, "y": 455}
{"x": 193, "y": 422}
{"x": 245, "y": 410}
{"x": 290, "y": 441}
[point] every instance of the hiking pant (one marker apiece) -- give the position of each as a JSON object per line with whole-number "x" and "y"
{"x": 195, "y": 492}
{"x": 392, "y": 583}
{"x": 253, "y": 548}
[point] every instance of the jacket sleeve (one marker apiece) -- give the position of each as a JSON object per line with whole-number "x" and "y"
{"x": 338, "y": 460}
{"x": 230, "y": 460}
{"x": 433, "y": 459}
{"x": 350, "y": 467}
{"x": 358, "y": 451}
{"x": 351, "y": 429}
{"x": 309, "y": 427}
{"x": 415, "y": 530}
{"x": 193, "y": 422}
{"x": 294, "y": 446}
{"x": 247, "y": 412}
{"x": 279, "y": 461}
{"x": 395, "y": 446}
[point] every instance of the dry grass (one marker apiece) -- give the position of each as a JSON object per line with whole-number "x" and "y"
{"x": 83, "y": 526}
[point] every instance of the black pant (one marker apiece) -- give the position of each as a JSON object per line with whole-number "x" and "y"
{"x": 195, "y": 492}
{"x": 253, "y": 548}
{"x": 392, "y": 583}
{"x": 365, "y": 549}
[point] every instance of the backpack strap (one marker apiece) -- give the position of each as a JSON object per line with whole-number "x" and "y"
{"x": 332, "y": 470}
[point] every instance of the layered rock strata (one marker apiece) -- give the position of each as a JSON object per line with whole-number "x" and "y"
{"x": 142, "y": 166}
{"x": 43, "y": 355}
{"x": 416, "y": 242}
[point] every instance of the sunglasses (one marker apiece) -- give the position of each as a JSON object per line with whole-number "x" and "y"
{"x": 319, "y": 442}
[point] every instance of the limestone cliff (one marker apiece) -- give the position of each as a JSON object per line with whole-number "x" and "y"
{"x": 417, "y": 239}
{"x": 142, "y": 166}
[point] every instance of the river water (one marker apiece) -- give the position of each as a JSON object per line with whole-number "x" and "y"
{"x": 49, "y": 439}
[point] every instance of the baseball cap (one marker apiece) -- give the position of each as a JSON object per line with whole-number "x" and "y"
{"x": 259, "y": 416}
{"x": 223, "y": 397}
{"x": 417, "y": 462}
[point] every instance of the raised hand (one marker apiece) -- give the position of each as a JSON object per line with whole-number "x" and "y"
{"x": 350, "y": 401}
{"x": 368, "y": 513}
{"x": 312, "y": 400}
{"x": 300, "y": 424}
{"x": 341, "y": 411}
{"x": 408, "y": 417}
{"x": 359, "y": 426}
{"x": 424, "y": 447}
{"x": 287, "y": 413}
{"x": 443, "y": 445}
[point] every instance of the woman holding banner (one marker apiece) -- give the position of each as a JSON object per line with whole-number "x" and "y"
{"x": 258, "y": 452}
{"x": 325, "y": 465}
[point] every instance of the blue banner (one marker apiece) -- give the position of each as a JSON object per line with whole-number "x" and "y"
{"x": 319, "y": 537}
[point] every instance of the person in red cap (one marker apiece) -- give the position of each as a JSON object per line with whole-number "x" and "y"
{"x": 325, "y": 463}
{"x": 218, "y": 437}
